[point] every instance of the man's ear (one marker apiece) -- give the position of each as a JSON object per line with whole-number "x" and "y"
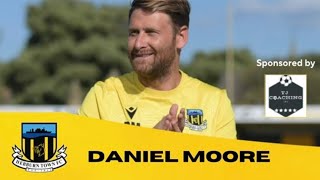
{"x": 182, "y": 37}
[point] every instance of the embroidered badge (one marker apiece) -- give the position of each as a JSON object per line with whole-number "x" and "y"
{"x": 195, "y": 120}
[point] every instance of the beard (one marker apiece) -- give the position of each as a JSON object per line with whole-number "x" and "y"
{"x": 153, "y": 63}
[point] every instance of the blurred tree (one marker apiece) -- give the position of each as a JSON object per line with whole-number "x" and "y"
{"x": 1, "y": 71}
{"x": 1, "y": 83}
{"x": 72, "y": 45}
{"x": 5, "y": 92}
{"x": 210, "y": 67}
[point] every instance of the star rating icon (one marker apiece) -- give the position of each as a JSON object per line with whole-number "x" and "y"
{"x": 285, "y": 110}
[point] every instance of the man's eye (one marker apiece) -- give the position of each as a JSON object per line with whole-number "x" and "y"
{"x": 133, "y": 33}
{"x": 152, "y": 33}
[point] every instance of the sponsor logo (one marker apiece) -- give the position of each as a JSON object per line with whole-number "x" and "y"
{"x": 131, "y": 111}
{"x": 195, "y": 120}
{"x": 132, "y": 123}
{"x": 38, "y": 152}
{"x": 285, "y": 95}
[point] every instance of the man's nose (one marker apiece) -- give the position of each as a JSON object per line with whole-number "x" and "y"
{"x": 141, "y": 41}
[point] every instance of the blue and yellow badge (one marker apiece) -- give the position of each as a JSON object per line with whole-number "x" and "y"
{"x": 39, "y": 145}
{"x": 195, "y": 120}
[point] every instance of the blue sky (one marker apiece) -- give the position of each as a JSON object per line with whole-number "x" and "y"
{"x": 46, "y": 126}
{"x": 267, "y": 27}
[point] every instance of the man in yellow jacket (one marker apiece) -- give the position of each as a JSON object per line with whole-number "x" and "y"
{"x": 157, "y": 94}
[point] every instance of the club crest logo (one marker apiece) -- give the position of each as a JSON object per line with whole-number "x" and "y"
{"x": 285, "y": 95}
{"x": 195, "y": 120}
{"x": 38, "y": 152}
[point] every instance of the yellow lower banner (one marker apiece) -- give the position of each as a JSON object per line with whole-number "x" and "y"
{"x": 65, "y": 146}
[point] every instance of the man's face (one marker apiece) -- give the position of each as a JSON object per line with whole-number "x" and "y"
{"x": 151, "y": 43}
